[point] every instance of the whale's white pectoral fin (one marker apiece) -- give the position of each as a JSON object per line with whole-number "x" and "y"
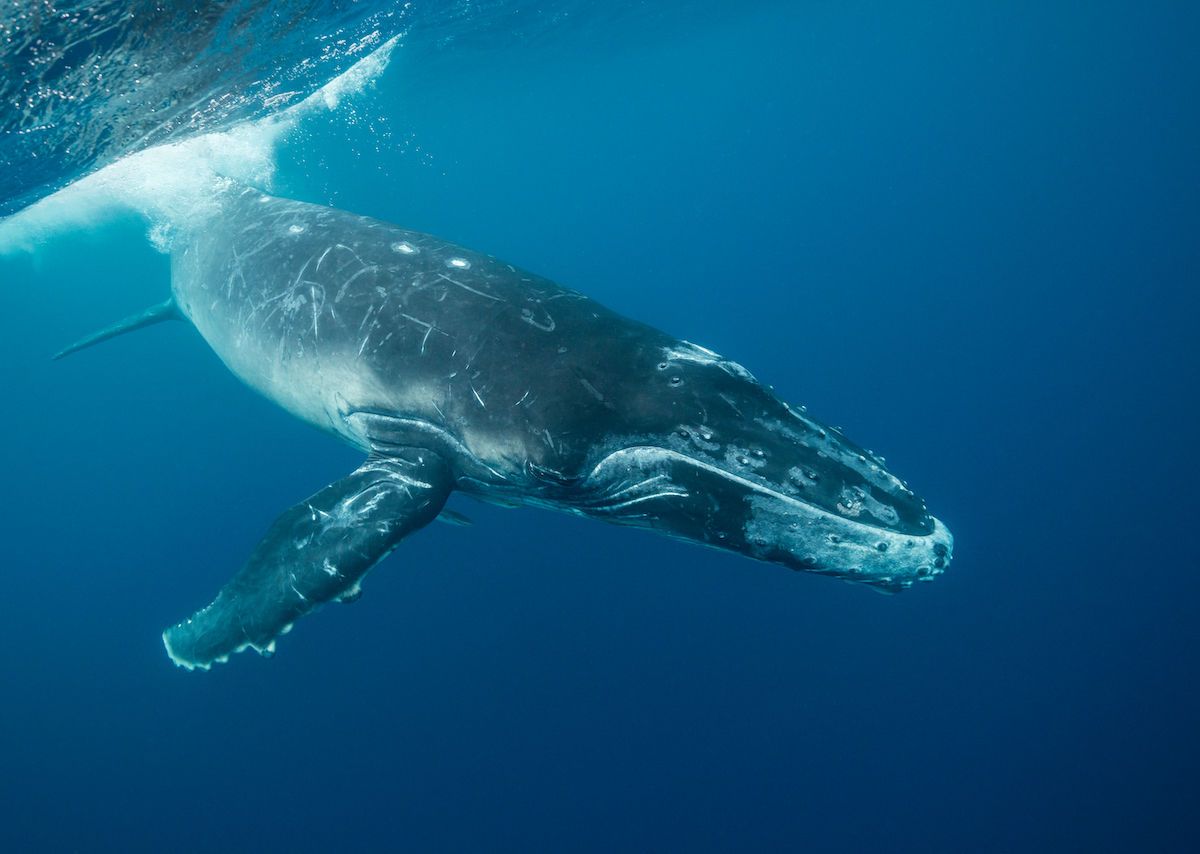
{"x": 317, "y": 551}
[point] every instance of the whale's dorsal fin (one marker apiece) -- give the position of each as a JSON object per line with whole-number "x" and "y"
{"x": 155, "y": 314}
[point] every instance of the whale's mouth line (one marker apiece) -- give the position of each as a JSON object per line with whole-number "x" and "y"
{"x": 644, "y": 453}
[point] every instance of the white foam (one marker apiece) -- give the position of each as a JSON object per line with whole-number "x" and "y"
{"x": 179, "y": 183}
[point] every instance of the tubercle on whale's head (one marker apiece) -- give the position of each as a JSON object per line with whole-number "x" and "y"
{"x": 731, "y": 466}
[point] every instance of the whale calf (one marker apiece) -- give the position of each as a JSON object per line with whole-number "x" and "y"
{"x": 451, "y": 370}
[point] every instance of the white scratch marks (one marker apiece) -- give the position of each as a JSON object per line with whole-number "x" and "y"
{"x": 468, "y": 288}
{"x": 316, "y": 309}
{"x": 317, "y": 269}
{"x": 342, "y": 290}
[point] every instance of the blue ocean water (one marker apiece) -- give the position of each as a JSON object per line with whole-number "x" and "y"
{"x": 964, "y": 232}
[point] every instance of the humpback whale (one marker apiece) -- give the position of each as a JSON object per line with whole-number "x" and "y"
{"x": 452, "y": 370}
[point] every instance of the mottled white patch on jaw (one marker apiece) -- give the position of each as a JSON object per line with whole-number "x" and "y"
{"x": 855, "y": 500}
{"x": 459, "y": 263}
{"x": 743, "y": 458}
{"x": 686, "y": 351}
{"x": 833, "y": 444}
{"x": 295, "y": 229}
{"x": 842, "y": 547}
{"x": 404, "y": 248}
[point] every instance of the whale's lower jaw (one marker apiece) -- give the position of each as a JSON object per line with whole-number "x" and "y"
{"x": 815, "y": 541}
{"x": 696, "y": 500}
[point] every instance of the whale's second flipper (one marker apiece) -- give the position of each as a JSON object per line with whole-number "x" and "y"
{"x": 315, "y": 552}
{"x": 155, "y": 314}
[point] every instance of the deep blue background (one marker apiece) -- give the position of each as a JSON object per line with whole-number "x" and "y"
{"x": 967, "y": 233}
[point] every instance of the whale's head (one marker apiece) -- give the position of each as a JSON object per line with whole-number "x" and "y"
{"x": 717, "y": 459}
